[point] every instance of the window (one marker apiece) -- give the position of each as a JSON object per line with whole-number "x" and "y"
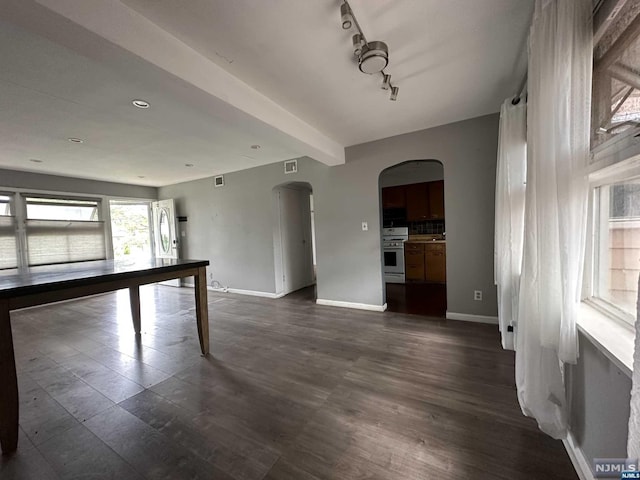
{"x": 617, "y": 249}
{"x": 61, "y": 230}
{"x": 616, "y": 79}
{"x": 613, "y": 263}
{"x": 130, "y": 229}
{"x": 8, "y": 247}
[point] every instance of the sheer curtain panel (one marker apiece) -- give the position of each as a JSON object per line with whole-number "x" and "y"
{"x": 558, "y": 112}
{"x": 510, "y": 192}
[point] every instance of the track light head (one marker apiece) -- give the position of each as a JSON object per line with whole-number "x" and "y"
{"x": 386, "y": 81}
{"x": 394, "y": 94}
{"x": 345, "y": 14}
{"x": 358, "y": 42}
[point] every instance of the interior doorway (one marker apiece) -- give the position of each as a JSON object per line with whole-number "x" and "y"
{"x": 413, "y": 220}
{"x": 293, "y": 237}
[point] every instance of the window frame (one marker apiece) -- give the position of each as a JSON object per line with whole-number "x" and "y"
{"x": 614, "y": 161}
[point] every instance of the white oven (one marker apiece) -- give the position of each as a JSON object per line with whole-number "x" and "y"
{"x": 393, "y": 251}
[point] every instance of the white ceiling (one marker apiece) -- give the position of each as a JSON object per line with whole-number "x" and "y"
{"x": 224, "y": 75}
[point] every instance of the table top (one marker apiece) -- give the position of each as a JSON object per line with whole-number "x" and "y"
{"x": 38, "y": 279}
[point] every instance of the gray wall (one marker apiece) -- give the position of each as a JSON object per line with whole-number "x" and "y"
{"x": 38, "y": 181}
{"x": 232, "y": 225}
{"x": 600, "y": 395}
{"x": 412, "y": 172}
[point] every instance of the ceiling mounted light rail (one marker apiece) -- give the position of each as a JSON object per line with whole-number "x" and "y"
{"x": 373, "y": 57}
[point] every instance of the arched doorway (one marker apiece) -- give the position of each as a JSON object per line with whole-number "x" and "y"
{"x": 414, "y": 237}
{"x": 294, "y": 238}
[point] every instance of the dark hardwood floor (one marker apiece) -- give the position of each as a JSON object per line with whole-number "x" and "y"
{"x": 426, "y": 299}
{"x": 292, "y": 391}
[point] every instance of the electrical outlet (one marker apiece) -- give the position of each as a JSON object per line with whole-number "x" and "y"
{"x": 365, "y": 226}
{"x": 477, "y": 295}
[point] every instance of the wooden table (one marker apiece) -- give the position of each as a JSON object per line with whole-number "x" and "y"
{"x": 40, "y": 285}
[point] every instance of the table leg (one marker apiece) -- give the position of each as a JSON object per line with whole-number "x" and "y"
{"x": 8, "y": 384}
{"x": 134, "y": 298}
{"x": 202, "y": 309}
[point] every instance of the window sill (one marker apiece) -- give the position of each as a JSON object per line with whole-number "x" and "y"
{"x": 613, "y": 339}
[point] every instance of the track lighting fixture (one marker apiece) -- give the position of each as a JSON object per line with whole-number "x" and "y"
{"x": 358, "y": 43}
{"x": 346, "y": 15}
{"x": 373, "y": 57}
{"x": 386, "y": 81}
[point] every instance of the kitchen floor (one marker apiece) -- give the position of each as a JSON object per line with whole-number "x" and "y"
{"x": 427, "y": 299}
{"x": 291, "y": 391}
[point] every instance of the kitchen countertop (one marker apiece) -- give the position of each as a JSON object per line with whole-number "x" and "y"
{"x": 411, "y": 240}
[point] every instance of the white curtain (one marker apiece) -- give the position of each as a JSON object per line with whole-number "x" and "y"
{"x": 509, "y": 229}
{"x": 558, "y": 112}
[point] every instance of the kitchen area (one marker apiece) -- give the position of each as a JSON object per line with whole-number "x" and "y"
{"x": 414, "y": 238}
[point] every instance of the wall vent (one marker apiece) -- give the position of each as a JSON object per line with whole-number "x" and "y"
{"x": 218, "y": 181}
{"x": 291, "y": 166}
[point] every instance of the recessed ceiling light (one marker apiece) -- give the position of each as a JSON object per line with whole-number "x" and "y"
{"x": 140, "y": 103}
{"x": 255, "y": 147}
{"x": 35, "y": 160}
{"x": 140, "y": 176}
{"x": 75, "y": 140}
{"x": 188, "y": 164}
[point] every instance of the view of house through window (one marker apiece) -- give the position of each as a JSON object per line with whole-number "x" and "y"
{"x": 618, "y": 252}
{"x": 130, "y": 229}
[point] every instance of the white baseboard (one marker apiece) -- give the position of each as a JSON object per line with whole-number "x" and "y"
{"x": 579, "y": 461}
{"x": 467, "y": 317}
{"x": 358, "y": 306}
{"x": 253, "y": 293}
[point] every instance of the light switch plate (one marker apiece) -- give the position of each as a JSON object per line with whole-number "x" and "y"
{"x": 365, "y": 226}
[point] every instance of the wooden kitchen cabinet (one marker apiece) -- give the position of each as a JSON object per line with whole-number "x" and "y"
{"x": 394, "y": 197}
{"x": 417, "y": 196}
{"x": 435, "y": 262}
{"x": 414, "y": 262}
{"x": 436, "y": 200}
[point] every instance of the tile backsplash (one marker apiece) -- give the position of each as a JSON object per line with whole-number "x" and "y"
{"x": 426, "y": 227}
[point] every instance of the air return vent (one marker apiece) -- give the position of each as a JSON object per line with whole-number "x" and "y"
{"x": 291, "y": 166}
{"x": 218, "y": 181}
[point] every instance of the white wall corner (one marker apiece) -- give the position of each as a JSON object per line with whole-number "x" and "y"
{"x": 357, "y": 306}
{"x": 579, "y": 461}
{"x": 467, "y": 317}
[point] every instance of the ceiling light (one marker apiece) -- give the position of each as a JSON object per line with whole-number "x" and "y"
{"x": 386, "y": 81}
{"x": 35, "y": 160}
{"x": 140, "y": 176}
{"x": 188, "y": 164}
{"x": 255, "y": 147}
{"x": 345, "y": 15}
{"x": 75, "y": 140}
{"x": 140, "y": 103}
{"x": 358, "y": 43}
{"x": 373, "y": 57}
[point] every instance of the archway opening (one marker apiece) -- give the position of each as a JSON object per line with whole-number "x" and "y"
{"x": 294, "y": 248}
{"x": 412, "y": 210}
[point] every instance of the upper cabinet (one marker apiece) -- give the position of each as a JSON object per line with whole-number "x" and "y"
{"x": 423, "y": 201}
{"x": 394, "y": 197}
{"x": 417, "y": 202}
{"x": 436, "y": 200}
